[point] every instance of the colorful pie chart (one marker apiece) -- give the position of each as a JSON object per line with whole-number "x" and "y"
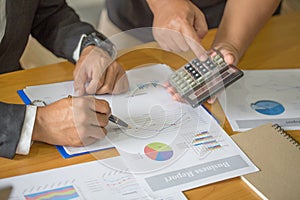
{"x": 158, "y": 151}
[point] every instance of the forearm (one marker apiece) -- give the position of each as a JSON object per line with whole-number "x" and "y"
{"x": 242, "y": 20}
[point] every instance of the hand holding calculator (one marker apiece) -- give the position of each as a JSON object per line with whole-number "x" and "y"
{"x": 198, "y": 80}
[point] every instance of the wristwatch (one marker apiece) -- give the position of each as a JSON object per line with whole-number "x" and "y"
{"x": 99, "y": 40}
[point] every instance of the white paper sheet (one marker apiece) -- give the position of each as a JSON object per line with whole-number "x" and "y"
{"x": 263, "y": 96}
{"x": 86, "y": 181}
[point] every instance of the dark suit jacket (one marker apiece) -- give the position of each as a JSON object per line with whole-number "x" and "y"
{"x": 54, "y": 25}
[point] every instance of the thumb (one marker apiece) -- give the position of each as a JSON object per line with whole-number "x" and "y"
{"x": 229, "y": 56}
{"x": 229, "y": 51}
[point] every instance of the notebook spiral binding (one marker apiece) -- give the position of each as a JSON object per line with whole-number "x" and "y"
{"x": 286, "y": 135}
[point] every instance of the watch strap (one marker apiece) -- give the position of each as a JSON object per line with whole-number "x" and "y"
{"x": 99, "y": 40}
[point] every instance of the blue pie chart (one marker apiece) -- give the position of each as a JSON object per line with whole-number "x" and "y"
{"x": 268, "y": 107}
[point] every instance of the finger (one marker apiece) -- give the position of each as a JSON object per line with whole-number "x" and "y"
{"x": 212, "y": 99}
{"x": 200, "y": 25}
{"x": 108, "y": 81}
{"x": 172, "y": 90}
{"x": 179, "y": 42}
{"x": 194, "y": 42}
{"x": 169, "y": 41}
{"x": 166, "y": 84}
{"x": 122, "y": 84}
{"x": 96, "y": 132}
{"x": 99, "y": 119}
{"x": 100, "y": 106}
{"x": 177, "y": 97}
{"x": 229, "y": 59}
{"x": 79, "y": 83}
{"x": 162, "y": 36}
{"x": 228, "y": 56}
{"x": 96, "y": 83}
{"x": 89, "y": 140}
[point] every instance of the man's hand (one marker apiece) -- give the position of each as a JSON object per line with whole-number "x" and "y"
{"x": 97, "y": 73}
{"x": 178, "y": 25}
{"x": 74, "y": 121}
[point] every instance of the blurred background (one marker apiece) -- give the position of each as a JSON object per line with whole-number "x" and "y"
{"x": 90, "y": 11}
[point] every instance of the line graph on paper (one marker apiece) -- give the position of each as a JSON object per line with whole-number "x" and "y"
{"x": 145, "y": 126}
{"x": 204, "y": 142}
{"x": 122, "y": 184}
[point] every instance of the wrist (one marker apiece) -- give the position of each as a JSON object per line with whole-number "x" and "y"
{"x": 96, "y": 39}
{"x": 37, "y": 129}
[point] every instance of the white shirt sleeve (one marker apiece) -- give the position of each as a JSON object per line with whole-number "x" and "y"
{"x": 76, "y": 53}
{"x": 26, "y": 134}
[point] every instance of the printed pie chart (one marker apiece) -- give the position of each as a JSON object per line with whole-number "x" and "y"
{"x": 158, "y": 151}
{"x": 268, "y": 107}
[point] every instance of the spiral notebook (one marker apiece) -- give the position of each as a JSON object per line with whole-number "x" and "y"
{"x": 277, "y": 155}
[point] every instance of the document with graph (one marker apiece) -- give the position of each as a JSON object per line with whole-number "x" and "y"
{"x": 264, "y": 96}
{"x": 91, "y": 180}
{"x": 169, "y": 144}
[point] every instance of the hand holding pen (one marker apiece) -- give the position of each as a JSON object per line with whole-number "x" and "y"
{"x": 72, "y": 121}
{"x": 114, "y": 119}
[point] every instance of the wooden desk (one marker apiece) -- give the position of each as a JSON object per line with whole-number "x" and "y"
{"x": 276, "y": 46}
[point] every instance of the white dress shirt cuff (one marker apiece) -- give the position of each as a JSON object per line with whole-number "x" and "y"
{"x": 76, "y": 53}
{"x": 26, "y": 134}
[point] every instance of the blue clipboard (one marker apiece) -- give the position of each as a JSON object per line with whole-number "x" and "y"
{"x": 60, "y": 149}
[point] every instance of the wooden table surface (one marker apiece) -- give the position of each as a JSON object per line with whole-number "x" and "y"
{"x": 277, "y": 46}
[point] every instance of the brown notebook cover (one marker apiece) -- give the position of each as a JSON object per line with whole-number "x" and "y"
{"x": 277, "y": 155}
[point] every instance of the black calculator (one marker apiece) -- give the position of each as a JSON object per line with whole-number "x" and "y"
{"x": 198, "y": 80}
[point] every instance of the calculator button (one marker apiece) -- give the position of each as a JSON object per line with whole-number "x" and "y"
{"x": 193, "y": 83}
{"x": 187, "y": 66}
{"x": 186, "y": 76}
{"x": 173, "y": 76}
{"x": 195, "y": 61}
{"x": 190, "y": 68}
{"x": 197, "y": 75}
{"x": 179, "y": 82}
{"x": 200, "y": 67}
{"x": 185, "y": 89}
{"x": 204, "y": 70}
{"x": 189, "y": 80}
{"x": 208, "y": 74}
{"x": 182, "y": 85}
{"x": 176, "y": 78}
{"x": 211, "y": 66}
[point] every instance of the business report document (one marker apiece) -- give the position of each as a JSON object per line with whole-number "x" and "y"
{"x": 170, "y": 145}
{"x": 86, "y": 181}
{"x": 263, "y": 96}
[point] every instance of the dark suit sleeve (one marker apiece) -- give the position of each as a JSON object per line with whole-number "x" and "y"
{"x": 57, "y": 27}
{"x": 11, "y": 123}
